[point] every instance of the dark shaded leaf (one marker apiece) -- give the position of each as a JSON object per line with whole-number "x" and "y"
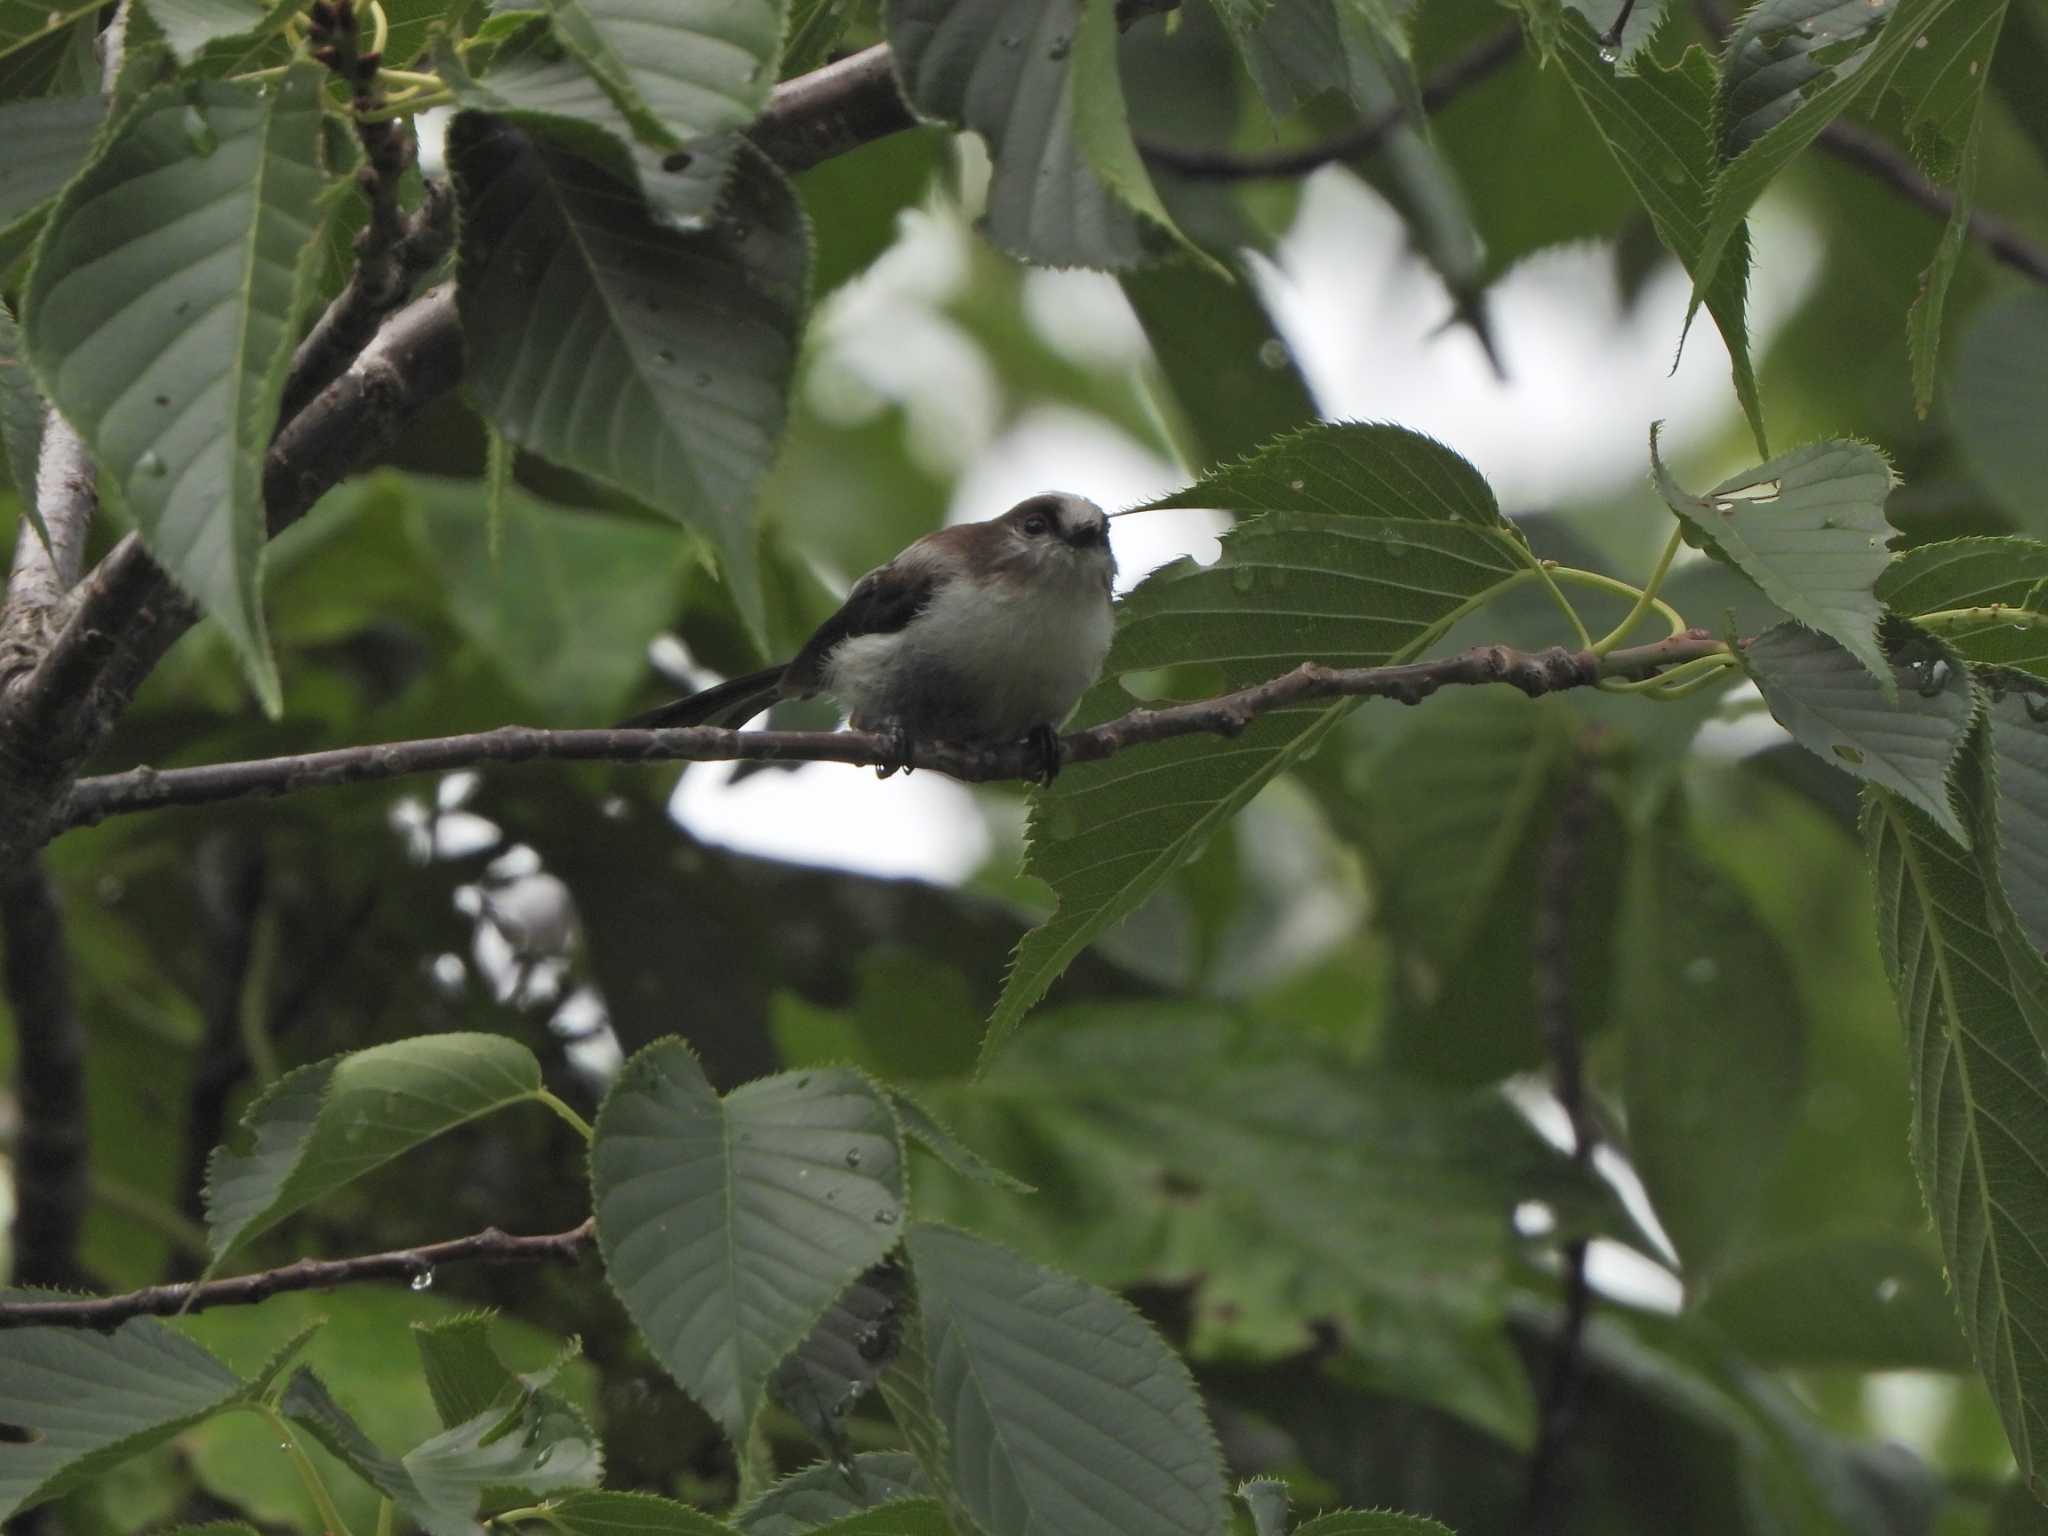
{"x": 656, "y": 361}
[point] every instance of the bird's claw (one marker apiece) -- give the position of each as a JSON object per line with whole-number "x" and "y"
{"x": 1044, "y": 743}
{"x": 900, "y": 750}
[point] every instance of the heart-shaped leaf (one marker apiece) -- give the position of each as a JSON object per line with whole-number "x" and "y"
{"x": 729, "y": 1225}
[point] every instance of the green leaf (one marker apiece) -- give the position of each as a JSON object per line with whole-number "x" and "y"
{"x": 1065, "y": 1412}
{"x": 23, "y": 22}
{"x": 47, "y": 141}
{"x": 21, "y": 422}
{"x": 658, "y": 362}
{"x": 189, "y": 26}
{"x": 1835, "y": 709}
{"x": 1781, "y": 53}
{"x": 1937, "y": 584}
{"x": 820, "y": 1494}
{"x": 907, "y": 1390}
{"x": 536, "y": 1446}
{"x": 922, "y": 1127}
{"x": 1942, "y": 84}
{"x": 899, "y": 1517}
{"x": 679, "y": 72}
{"x": 91, "y": 1400}
{"x": 2018, "y": 722}
{"x": 590, "y": 1512}
{"x": 1038, "y": 80}
{"x": 1658, "y": 125}
{"x": 1998, "y": 399}
{"x": 1808, "y": 528}
{"x": 1226, "y": 406}
{"x": 321, "y": 1126}
{"x": 1924, "y": 316}
{"x": 1974, "y": 1000}
{"x": 1864, "y": 1303}
{"x": 529, "y": 610}
{"x": 1772, "y": 108}
{"x": 1375, "y": 1522}
{"x": 1374, "y": 541}
{"x": 530, "y": 82}
{"x": 1265, "y": 1499}
{"x": 1446, "y": 810}
{"x": 729, "y": 1226}
{"x": 463, "y": 1372}
{"x": 163, "y": 334}
{"x": 1715, "y": 1048}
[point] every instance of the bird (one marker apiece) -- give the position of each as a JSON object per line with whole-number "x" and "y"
{"x": 983, "y": 633}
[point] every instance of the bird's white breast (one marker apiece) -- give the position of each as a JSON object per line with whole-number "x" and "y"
{"x": 1018, "y": 654}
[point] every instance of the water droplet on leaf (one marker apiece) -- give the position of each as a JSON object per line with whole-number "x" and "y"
{"x": 1061, "y": 47}
{"x": 1609, "y": 55}
{"x": 152, "y": 464}
{"x": 1244, "y": 578}
{"x": 1933, "y": 678}
{"x": 2037, "y": 708}
{"x": 1846, "y": 753}
{"x": 885, "y": 1217}
{"x": 1273, "y": 352}
{"x": 853, "y": 1157}
{"x": 424, "y": 1280}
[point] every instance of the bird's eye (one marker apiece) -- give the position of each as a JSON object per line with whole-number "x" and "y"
{"x": 1034, "y": 526}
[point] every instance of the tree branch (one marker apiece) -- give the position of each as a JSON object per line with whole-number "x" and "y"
{"x": 127, "y": 614}
{"x": 1463, "y": 72}
{"x": 393, "y": 250}
{"x": 489, "y": 1246}
{"x": 1533, "y": 672}
{"x": 1543, "y": 1503}
{"x": 848, "y": 103}
{"x": 49, "y": 1069}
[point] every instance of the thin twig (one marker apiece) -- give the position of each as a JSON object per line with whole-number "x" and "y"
{"x": 51, "y": 1183}
{"x": 489, "y": 1246}
{"x": 1543, "y": 1503}
{"x": 1533, "y": 672}
{"x": 1463, "y": 72}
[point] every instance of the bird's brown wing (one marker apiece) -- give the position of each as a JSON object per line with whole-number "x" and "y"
{"x": 881, "y": 603}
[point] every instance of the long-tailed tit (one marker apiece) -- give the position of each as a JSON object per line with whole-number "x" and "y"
{"x": 983, "y": 632}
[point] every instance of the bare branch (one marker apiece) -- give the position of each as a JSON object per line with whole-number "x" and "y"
{"x": 850, "y": 102}
{"x": 1463, "y": 72}
{"x": 489, "y": 1246}
{"x": 1543, "y": 1503}
{"x": 1533, "y": 672}
{"x": 49, "y": 1069}
{"x": 67, "y": 499}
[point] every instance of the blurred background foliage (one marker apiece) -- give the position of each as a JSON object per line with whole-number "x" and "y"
{"x": 1270, "y": 1105}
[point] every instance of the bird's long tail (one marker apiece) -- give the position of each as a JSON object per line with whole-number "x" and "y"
{"x": 730, "y": 703}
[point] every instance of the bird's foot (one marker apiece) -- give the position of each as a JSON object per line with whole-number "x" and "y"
{"x": 900, "y": 750}
{"x": 1044, "y": 743}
